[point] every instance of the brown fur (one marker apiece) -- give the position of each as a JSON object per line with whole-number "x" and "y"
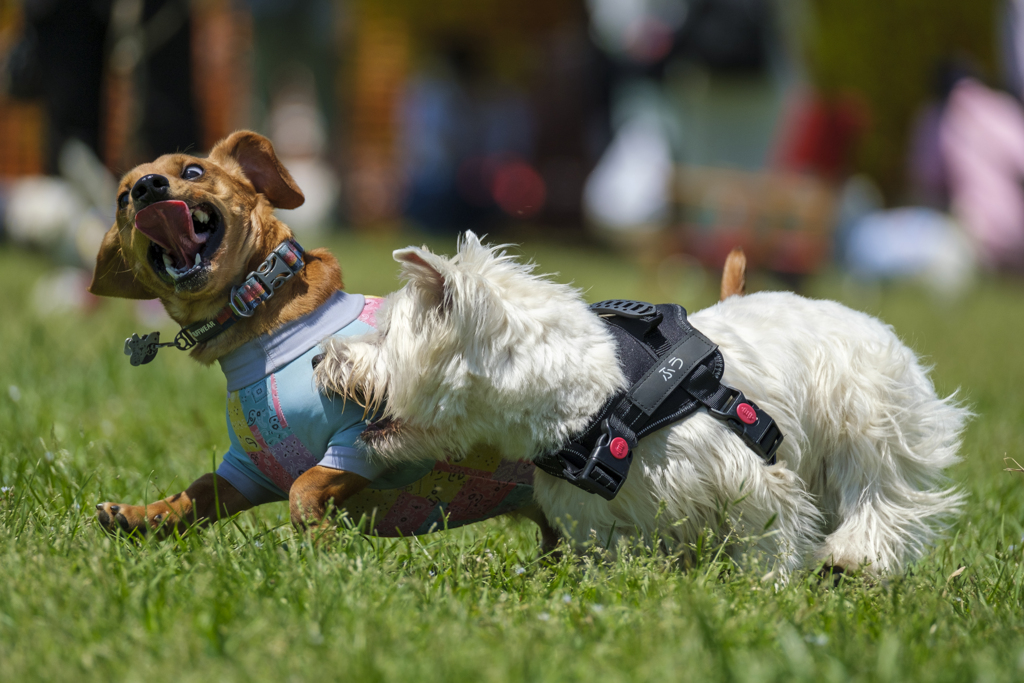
{"x": 244, "y": 180}
{"x": 196, "y": 504}
{"x": 241, "y": 176}
{"x": 734, "y": 274}
{"x": 312, "y": 491}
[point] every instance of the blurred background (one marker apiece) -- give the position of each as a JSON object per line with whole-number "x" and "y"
{"x": 883, "y": 139}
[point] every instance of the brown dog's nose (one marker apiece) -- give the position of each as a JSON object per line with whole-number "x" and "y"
{"x": 150, "y": 189}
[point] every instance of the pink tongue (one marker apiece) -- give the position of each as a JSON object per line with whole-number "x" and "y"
{"x": 169, "y": 224}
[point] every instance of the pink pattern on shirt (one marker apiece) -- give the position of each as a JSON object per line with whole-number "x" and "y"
{"x": 266, "y": 462}
{"x": 277, "y": 403}
{"x": 477, "y": 497}
{"x": 408, "y": 513}
{"x": 370, "y": 306}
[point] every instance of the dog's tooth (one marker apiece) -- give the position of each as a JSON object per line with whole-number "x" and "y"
{"x": 200, "y": 215}
{"x": 199, "y": 259}
{"x": 168, "y": 263}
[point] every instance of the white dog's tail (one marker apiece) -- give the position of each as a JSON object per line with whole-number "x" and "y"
{"x": 734, "y": 274}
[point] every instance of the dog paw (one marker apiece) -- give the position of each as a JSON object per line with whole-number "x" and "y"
{"x": 832, "y": 574}
{"x": 127, "y": 518}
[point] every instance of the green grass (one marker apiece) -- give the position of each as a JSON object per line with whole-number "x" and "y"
{"x": 250, "y": 600}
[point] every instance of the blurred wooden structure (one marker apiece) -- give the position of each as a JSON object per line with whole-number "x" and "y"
{"x": 783, "y": 221}
{"x": 221, "y": 73}
{"x": 21, "y": 123}
{"x": 21, "y": 138}
{"x": 221, "y": 47}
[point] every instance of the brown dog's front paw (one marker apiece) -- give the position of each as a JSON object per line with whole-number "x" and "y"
{"x": 127, "y": 518}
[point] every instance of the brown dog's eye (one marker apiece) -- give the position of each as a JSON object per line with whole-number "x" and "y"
{"x": 122, "y": 201}
{"x": 192, "y": 171}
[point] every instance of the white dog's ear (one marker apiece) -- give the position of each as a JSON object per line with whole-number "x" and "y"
{"x": 469, "y": 239}
{"x": 424, "y": 269}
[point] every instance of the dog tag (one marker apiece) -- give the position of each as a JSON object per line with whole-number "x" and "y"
{"x": 142, "y": 349}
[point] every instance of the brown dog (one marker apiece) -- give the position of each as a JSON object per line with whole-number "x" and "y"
{"x": 188, "y": 230}
{"x": 225, "y": 229}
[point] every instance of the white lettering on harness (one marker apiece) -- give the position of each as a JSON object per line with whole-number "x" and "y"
{"x": 667, "y": 373}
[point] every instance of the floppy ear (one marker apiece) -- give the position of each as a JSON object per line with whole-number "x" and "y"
{"x": 255, "y": 154}
{"x": 424, "y": 269}
{"x": 112, "y": 276}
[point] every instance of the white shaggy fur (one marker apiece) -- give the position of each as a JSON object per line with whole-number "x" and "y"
{"x": 477, "y": 349}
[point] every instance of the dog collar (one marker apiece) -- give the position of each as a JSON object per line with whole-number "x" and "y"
{"x": 673, "y": 371}
{"x": 282, "y": 264}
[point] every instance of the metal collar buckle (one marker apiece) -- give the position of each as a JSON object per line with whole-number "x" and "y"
{"x": 271, "y": 274}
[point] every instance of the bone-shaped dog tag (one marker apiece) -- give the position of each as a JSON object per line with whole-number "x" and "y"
{"x": 142, "y": 349}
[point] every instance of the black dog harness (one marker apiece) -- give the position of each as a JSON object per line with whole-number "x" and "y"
{"x": 672, "y": 370}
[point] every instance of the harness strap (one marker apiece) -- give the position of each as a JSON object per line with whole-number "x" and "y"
{"x": 661, "y": 380}
{"x": 681, "y": 372}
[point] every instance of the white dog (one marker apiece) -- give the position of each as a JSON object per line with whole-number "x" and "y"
{"x": 476, "y": 349}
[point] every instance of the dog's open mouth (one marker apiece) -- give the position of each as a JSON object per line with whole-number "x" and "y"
{"x": 184, "y": 240}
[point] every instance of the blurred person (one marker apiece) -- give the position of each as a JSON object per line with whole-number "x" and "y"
{"x": 467, "y": 141}
{"x": 981, "y": 136}
{"x": 298, "y": 128}
{"x": 62, "y": 58}
{"x": 695, "y": 81}
{"x": 65, "y": 58}
{"x": 64, "y": 52}
{"x": 926, "y": 167}
{"x": 301, "y": 35}
{"x": 169, "y": 119}
{"x": 59, "y": 59}
{"x": 820, "y": 133}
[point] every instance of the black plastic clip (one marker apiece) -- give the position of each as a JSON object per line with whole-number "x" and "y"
{"x": 757, "y": 429}
{"x": 608, "y": 465}
{"x": 647, "y": 314}
{"x": 624, "y": 307}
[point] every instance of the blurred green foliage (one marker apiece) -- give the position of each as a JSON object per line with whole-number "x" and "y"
{"x": 886, "y": 52}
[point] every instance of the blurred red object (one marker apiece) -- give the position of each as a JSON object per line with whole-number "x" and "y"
{"x": 819, "y": 134}
{"x": 518, "y": 189}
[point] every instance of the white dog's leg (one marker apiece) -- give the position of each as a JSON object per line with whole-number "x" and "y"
{"x": 707, "y": 479}
{"x": 768, "y": 511}
{"x": 883, "y": 481}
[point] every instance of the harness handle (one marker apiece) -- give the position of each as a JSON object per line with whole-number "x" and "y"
{"x": 625, "y": 308}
